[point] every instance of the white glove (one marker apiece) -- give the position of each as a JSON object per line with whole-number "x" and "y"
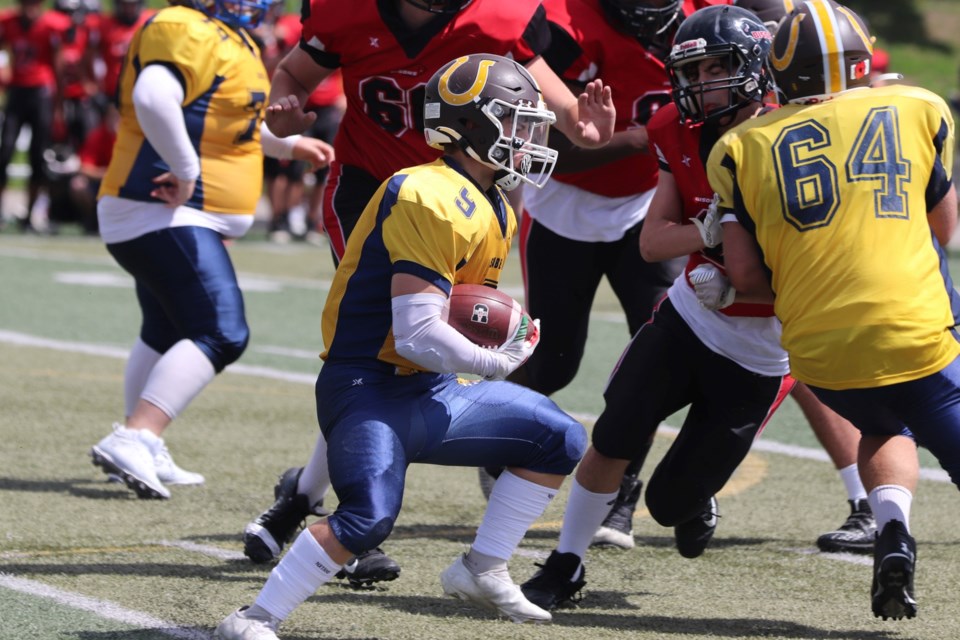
{"x": 518, "y": 349}
{"x": 712, "y": 287}
{"x": 710, "y": 229}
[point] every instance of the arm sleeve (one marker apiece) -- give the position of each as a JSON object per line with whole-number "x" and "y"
{"x": 423, "y": 337}
{"x": 158, "y": 102}
{"x": 280, "y": 148}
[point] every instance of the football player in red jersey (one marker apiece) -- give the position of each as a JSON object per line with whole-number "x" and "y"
{"x": 34, "y": 37}
{"x": 584, "y": 224}
{"x": 387, "y": 50}
{"x": 726, "y": 365}
{"x": 116, "y": 31}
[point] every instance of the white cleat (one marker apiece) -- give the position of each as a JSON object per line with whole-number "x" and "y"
{"x": 167, "y": 469}
{"x": 124, "y": 454}
{"x": 239, "y": 625}
{"x": 492, "y": 590}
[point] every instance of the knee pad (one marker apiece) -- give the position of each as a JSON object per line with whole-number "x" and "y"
{"x": 569, "y": 440}
{"x": 358, "y": 533}
{"x": 226, "y": 347}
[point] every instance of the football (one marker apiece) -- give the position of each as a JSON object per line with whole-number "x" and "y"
{"x": 486, "y": 316}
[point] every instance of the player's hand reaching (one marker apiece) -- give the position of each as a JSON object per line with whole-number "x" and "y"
{"x": 286, "y": 117}
{"x": 314, "y": 151}
{"x": 711, "y": 231}
{"x": 518, "y": 349}
{"x": 172, "y": 190}
{"x": 596, "y": 115}
{"x": 712, "y": 287}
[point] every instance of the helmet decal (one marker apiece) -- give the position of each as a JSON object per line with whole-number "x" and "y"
{"x": 473, "y": 91}
{"x": 782, "y": 62}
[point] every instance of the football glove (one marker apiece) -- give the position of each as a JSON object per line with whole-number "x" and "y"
{"x": 712, "y": 287}
{"x": 517, "y": 349}
{"x": 710, "y": 229}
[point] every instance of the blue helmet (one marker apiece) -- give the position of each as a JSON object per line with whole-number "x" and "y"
{"x": 239, "y": 14}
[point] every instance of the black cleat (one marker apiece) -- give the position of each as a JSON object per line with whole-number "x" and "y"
{"x": 694, "y": 535}
{"x": 855, "y": 535}
{"x": 617, "y": 528}
{"x": 894, "y": 563}
{"x": 557, "y": 584}
{"x": 369, "y": 567}
{"x": 263, "y": 539}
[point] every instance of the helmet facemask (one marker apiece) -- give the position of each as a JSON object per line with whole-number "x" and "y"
{"x": 520, "y": 153}
{"x": 440, "y": 6}
{"x": 744, "y": 83}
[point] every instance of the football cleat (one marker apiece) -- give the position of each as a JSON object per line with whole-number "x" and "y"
{"x": 369, "y": 567}
{"x": 492, "y": 590}
{"x": 264, "y": 538}
{"x": 123, "y": 454}
{"x": 855, "y": 535}
{"x": 243, "y": 625}
{"x": 894, "y": 563}
{"x": 167, "y": 470}
{"x": 694, "y": 535}
{"x": 617, "y": 527}
{"x": 558, "y": 583}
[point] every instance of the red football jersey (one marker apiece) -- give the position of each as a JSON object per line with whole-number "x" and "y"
{"x": 97, "y": 149}
{"x": 115, "y": 39}
{"x": 682, "y": 151}
{"x": 586, "y": 46}
{"x": 386, "y": 67}
{"x": 32, "y": 46}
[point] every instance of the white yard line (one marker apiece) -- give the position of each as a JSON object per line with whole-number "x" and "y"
{"x": 26, "y": 340}
{"x": 102, "y": 608}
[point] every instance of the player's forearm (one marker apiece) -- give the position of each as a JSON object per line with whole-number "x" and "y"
{"x": 572, "y": 159}
{"x": 158, "y": 102}
{"x": 284, "y": 83}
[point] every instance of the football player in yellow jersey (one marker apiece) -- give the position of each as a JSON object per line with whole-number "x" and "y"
{"x": 848, "y": 245}
{"x": 186, "y": 172}
{"x": 388, "y": 394}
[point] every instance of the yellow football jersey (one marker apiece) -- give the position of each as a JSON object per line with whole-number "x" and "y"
{"x": 836, "y": 195}
{"x": 226, "y": 89}
{"x": 431, "y": 221}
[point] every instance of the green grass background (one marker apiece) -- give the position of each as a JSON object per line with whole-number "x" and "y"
{"x": 61, "y": 525}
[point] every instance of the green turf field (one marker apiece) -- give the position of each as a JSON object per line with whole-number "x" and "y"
{"x": 81, "y": 559}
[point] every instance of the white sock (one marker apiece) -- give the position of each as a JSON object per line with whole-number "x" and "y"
{"x": 851, "y": 480}
{"x": 297, "y": 577}
{"x": 180, "y": 374}
{"x": 891, "y": 502}
{"x": 140, "y": 363}
{"x": 315, "y": 478}
{"x": 584, "y": 514}
{"x": 514, "y": 505}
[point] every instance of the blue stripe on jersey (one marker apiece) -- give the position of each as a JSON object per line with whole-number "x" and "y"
{"x": 939, "y": 182}
{"x": 365, "y": 315}
{"x": 422, "y": 272}
{"x": 947, "y": 280}
{"x": 195, "y": 116}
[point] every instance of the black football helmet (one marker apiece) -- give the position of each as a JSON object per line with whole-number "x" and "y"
{"x": 770, "y": 12}
{"x": 731, "y": 34}
{"x": 440, "y": 6}
{"x": 492, "y": 109}
{"x": 821, "y": 49}
{"x": 645, "y": 20}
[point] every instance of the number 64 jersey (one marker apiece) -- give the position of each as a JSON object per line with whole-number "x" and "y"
{"x": 386, "y": 67}
{"x": 836, "y": 195}
{"x": 225, "y": 94}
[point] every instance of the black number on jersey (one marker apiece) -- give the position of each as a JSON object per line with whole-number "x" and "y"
{"x": 394, "y": 109}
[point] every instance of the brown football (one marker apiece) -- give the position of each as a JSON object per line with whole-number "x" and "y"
{"x": 486, "y": 316}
